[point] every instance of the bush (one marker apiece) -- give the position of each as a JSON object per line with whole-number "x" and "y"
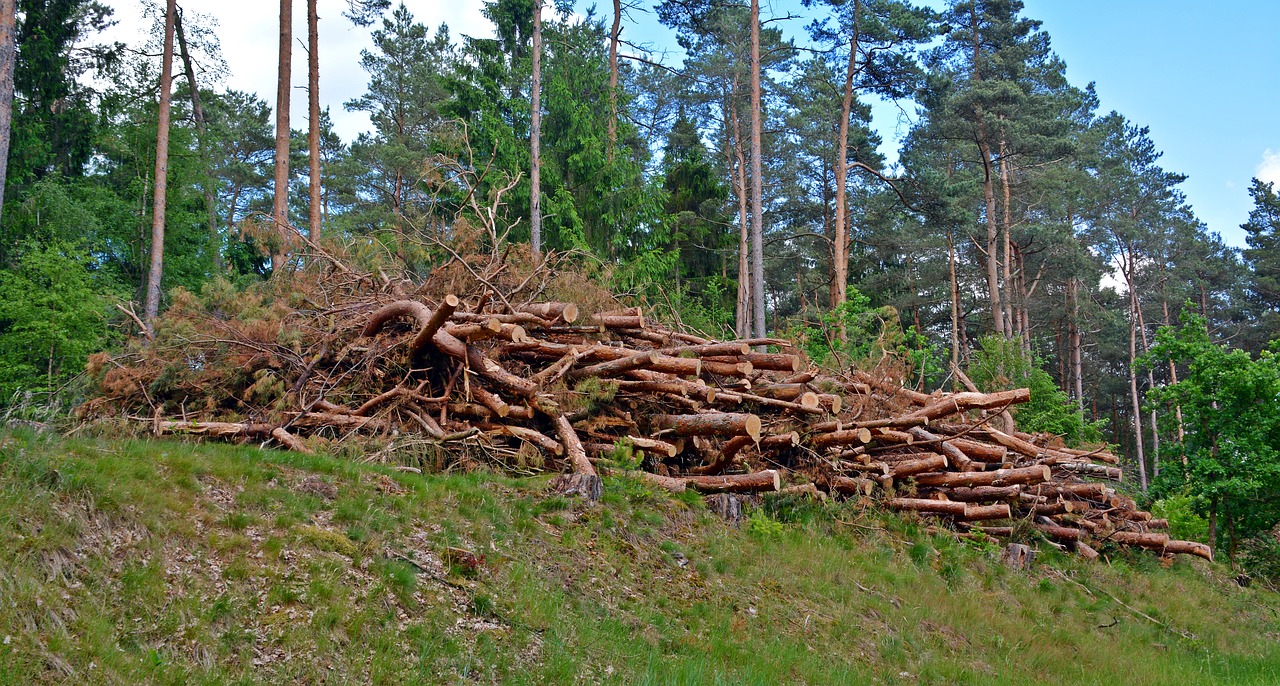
{"x": 1001, "y": 364}
{"x": 871, "y": 334}
{"x": 53, "y": 315}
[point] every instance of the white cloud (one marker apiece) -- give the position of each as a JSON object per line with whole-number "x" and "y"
{"x": 1268, "y": 170}
{"x": 248, "y": 30}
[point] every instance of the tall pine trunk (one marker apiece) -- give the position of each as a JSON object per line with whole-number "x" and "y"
{"x": 757, "y": 184}
{"x": 1074, "y": 342}
{"x": 313, "y": 118}
{"x": 743, "y": 313}
{"x": 840, "y": 244}
{"x": 535, "y": 135}
{"x": 613, "y": 77}
{"x": 988, "y": 189}
{"x": 197, "y": 113}
{"x": 1133, "y": 374}
{"x": 280, "y": 206}
{"x": 1011, "y": 325}
{"x": 152, "y": 305}
{"x": 8, "y": 58}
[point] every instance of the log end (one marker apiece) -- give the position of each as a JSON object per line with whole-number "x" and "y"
{"x": 752, "y": 427}
{"x": 570, "y": 313}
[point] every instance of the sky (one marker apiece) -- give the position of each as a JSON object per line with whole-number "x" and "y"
{"x": 1205, "y": 77}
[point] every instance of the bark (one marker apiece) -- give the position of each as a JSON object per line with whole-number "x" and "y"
{"x": 710, "y": 424}
{"x": 8, "y": 58}
{"x": 744, "y": 312}
{"x": 152, "y": 306}
{"x": 1133, "y": 379}
{"x": 313, "y": 119}
{"x": 1075, "y": 343}
{"x": 280, "y": 203}
{"x": 955, "y": 302}
{"x": 1000, "y": 477}
{"x": 1006, "y": 224}
{"x": 613, "y": 77}
{"x": 988, "y": 191}
{"x": 757, "y": 185}
{"x": 535, "y": 136}
{"x": 197, "y": 113}
{"x": 757, "y": 482}
{"x": 840, "y": 244}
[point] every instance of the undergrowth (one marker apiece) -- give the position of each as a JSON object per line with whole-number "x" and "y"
{"x": 133, "y": 561}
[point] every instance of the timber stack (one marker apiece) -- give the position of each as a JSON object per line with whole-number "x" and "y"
{"x": 548, "y": 386}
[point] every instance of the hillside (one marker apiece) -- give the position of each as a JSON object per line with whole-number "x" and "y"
{"x": 165, "y": 562}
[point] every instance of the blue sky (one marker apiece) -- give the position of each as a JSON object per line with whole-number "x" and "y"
{"x": 1205, "y": 77}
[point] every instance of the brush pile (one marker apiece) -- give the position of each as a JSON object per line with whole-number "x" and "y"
{"x": 540, "y": 373}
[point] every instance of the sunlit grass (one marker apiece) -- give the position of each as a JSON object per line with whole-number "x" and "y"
{"x": 166, "y": 562}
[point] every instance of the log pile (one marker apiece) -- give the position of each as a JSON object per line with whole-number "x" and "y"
{"x": 549, "y": 384}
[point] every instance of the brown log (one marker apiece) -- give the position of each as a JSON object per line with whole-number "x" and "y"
{"x": 850, "y": 486}
{"x": 1162, "y": 524}
{"x": 316, "y": 420}
{"x": 514, "y": 318}
{"x": 559, "y": 368}
{"x": 535, "y": 438}
{"x": 1056, "y": 507}
{"x": 619, "y": 321}
{"x": 1099, "y": 454}
{"x": 808, "y": 489}
{"x": 1000, "y": 477}
{"x": 1157, "y": 541}
{"x": 740, "y": 370}
{"x": 615, "y": 367}
{"x": 573, "y": 449}
{"x": 680, "y": 387}
{"x": 827, "y": 426}
{"x": 889, "y": 436}
{"x": 670, "y": 483}
{"x": 802, "y": 377}
{"x": 982, "y": 452}
{"x": 708, "y": 349}
{"x": 655, "y": 446}
{"x": 847, "y": 437}
{"x": 490, "y": 400}
{"x": 777, "y": 362}
{"x": 974, "y": 512}
{"x": 1091, "y": 491}
{"x": 756, "y": 482}
{"x": 984, "y": 493}
{"x": 731, "y": 397}
{"x": 956, "y": 403}
{"x": 710, "y": 424}
{"x": 476, "y": 331}
{"x": 430, "y": 322}
{"x": 831, "y": 402}
{"x": 1061, "y": 533}
{"x": 957, "y": 456}
{"x": 932, "y": 463}
{"x": 782, "y": 391}
{"x": 1086, "y": 469}
{"x": 1084, "y": 550}
{"x": 1189, "y": 548}
{"x": 680, "y": 366}
{"x": 565, "y": 312}
{"x": 290, "y": 441}
{"x": 923, "y": 505}
{"x": 1013, "y": 443}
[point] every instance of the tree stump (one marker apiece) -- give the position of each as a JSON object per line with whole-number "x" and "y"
{"x": 1018, "y": 556}
{"x": 589, "y": 486}
{"x": 727, "y": 505}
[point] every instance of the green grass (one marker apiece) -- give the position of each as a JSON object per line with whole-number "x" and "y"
{"x": 172, "y": 563}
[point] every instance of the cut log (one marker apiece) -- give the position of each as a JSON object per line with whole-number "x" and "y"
{"x": 615, "y": 367}
{"x": 756, "y": 482}
{"x": 538, "y": 439}
{"x": 708, "y": 349}
{"x": 984, "y": 493}
{"x": 955, "y": 509}
{"x": 669, "y": 483}
{"x": 1018, "y": 556}
{"x": 290, "y": 441}
{"x": 974, "y": 512}
{"x": 1157, "y": 541}
{"x": 1084, "y": 550}
{"x": 905, "y": 468}
{"x": 776, "y": 362}
{"x": 1189, "y": 548}
{"x": 710, "y": 424}
{"x": 655, "y": 446}
{"x": 739, "y": 370}
{"x": 565, "y": 312}
{"x": 1000, "y": 477}
{"x": 835, "y": 438}
{"x": 956, "y": 456}
{"x": 589, "y": 486}
{"x": 808, "y": 489}
{"x": 851, "y": 486}
{"x": 1094, "y": 470}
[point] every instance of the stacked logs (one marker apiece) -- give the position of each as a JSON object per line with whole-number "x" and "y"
{"x": 612, "y": 390}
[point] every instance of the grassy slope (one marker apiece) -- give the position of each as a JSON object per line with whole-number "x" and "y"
{"x": 162, "y": 562}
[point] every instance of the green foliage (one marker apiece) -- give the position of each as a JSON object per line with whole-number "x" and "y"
{"x": 1000, "y": 364}
{"x": 1184, "y": 522}
{"x": 53, "y": 315}
{"x": 869, "y": 335}
{"x": 1228, "y": 463}
{"x": 761, "y": 525}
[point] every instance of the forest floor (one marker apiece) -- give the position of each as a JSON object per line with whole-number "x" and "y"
{"x": 132, "y": 561}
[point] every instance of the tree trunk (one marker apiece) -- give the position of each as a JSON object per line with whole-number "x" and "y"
{"x": 1006, "y": 241}
{"x": 988, "y": 192}
{"x": 152, "y": 306}
{"x": 757, "y": 185}
{"x": 840, "y": 244}
{"x": 1151, "y": 383}
{"x": 197, "y": 113}
{"x": 535, "y": 135}
{"x": 1173, "y": 379}
{"x": 8, "y": 58}
{"x": 955, "y": 302}
{"x": 613, "y": 77}
{"x": 1133, "y": 377}
{"x": 1074, "y": 341}
{"x": 280, "y": 205}
{"x": 313, "y": 118}
{"x": 743, "y": 313}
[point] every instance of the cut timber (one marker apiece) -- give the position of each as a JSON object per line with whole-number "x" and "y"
{"x": 957, "y": 456}
{"x": 566, "y": 312}
{"x": 536, "y": 438}
{"x": 711, "y": 424}
{"x": 974, "y": 512}
{"x": 669, "y": 483}
{"x": 1087, "y": 491}
{"x": 1156, "y": 541}
{"x": 680, "y": 366}
{"x": 1084, "y": 550}
{"x": 217, "y": 429}
{"x": 774, "y": 362}
{"x": 906, "y": 468}
{"x": 831, "y": 402}
{"x": 982, "y": 452}
{"x": 851, "y": 486}
{"x": 808, "y": 489}
{"x": 955, "y": 509}
{"x": 429, "y": 321}
{"x": 614, "y": 367}
{"x": 1061, "y": 533}
{"x": 1095, "y": 470}
{"x": 476, "y": 331}
{"x": 1017, "y": 556}
{"x": 1000, "y": 477}
{"x": 984, "y": 493}
{"x": 709, "y": 349}
{"x": 589, "y": 486}
{"x": 739, "y": 370}
{"x": 1189, "y": 548}
{"x": 846, "y": 437}
{"x": 756, "y": 482}
{"x": 961, "y": 402}
{"x": 492, "y": 401}
{"x": 290, "y": 441}
{"x": 655, "y": 446}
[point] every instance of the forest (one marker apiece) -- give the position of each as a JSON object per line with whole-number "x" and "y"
{"x": 1022, "y": 234}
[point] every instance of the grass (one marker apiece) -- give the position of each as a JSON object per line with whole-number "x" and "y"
{"x": 164, "y": 562}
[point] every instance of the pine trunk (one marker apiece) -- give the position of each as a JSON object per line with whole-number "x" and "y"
{"x": 613, "y": 76}
{"x": 535, "y": 135}
{"x": 8, "y": 58}
{"x": 313, "y": 119}
{"x": 152, "y": 306}
{"x": 840, "y": 244}
{"x": 197, "y": 113}
{"x": 280, "y": 205}
{"x": 757, "y": 186}
{"x": 1133, "y": 378}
